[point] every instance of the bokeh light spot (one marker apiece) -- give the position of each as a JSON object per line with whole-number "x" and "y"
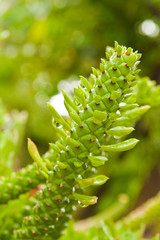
{"x": 149, "y": 28}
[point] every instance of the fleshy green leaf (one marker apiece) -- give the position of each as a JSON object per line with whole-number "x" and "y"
{"x": 100, "y": 180}
{"x": 137, "y": 111}
{"x": 36, "y": 156}
{"x": 76, "y": 118}
{"x": 119, "y": 131}
{"x": 84, "y": 183}
{"x": 58, "y": 118}
{"x": 84, "y": 199}
{"x": 86, "y": 83}
{"x": 69, "y": 101}
{"x": 122, "y": 146}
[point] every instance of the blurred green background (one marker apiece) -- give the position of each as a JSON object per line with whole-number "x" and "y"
{"x": 45, "y": 42}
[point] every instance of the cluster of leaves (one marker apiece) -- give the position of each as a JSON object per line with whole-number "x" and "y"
{"x": 130, "y": 180}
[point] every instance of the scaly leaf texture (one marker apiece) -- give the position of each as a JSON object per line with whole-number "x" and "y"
{"x": 144, "y": 88}
{"x": 99, "y": 105}
{"x": 20, "y": 182}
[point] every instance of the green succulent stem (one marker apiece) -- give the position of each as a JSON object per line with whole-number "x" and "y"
{"x": 98, "y": 108}
{"x": 19, "y": 183}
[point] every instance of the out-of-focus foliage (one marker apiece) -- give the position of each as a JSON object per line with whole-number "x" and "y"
{"x": 46, "y": 41}
{"x": 12, "y": 126}
{"x": 12, "y": 214}
{"x": 105, "y": 232}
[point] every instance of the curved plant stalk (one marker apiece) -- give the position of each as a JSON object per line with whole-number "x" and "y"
{"x": 100, "y": 111}
{"x": 148, "y": 212}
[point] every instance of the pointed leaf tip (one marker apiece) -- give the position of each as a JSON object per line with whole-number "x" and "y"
{"x": 58, "y": 118}
{"x": 119, "y": 131}
{"x": 100, "y": 180}
{"x": 69, "y": 101}
{"x": 33, "y": 151}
